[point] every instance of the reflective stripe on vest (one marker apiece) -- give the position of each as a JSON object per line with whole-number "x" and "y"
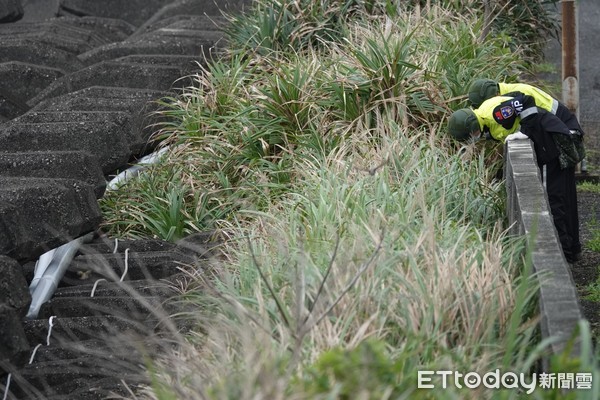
{"x": 528, "y": 111}
{"x": 554, "y": 106}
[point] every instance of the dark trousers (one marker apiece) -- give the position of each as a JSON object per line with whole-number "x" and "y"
{"x": 562, "y": 196}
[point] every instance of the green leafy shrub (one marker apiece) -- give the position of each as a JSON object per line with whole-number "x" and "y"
{"x": 367, "y": 370}
{"x": 298, "y": 25}
{"x": 587, "y": 186}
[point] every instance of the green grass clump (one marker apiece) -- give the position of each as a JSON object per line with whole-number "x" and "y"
{"x": 593, "y": 292}
{"x": 157, "y": 205}
{"x": 593, "y": 226}
{"x": 594, "y": 243}
{"x": 587, "y": 186}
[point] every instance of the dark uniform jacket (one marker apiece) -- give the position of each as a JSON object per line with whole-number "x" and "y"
{"x": 543, "y": 101}
{"x": 501, "y": 116}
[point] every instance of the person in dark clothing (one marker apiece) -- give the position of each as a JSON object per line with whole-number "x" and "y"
{"x": 558, "y": 148}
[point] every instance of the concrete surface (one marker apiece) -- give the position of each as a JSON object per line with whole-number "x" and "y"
{"x": 528, "y": 214}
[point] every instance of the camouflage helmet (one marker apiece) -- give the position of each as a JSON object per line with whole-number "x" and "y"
{"x": 481, "y": 90}
{"x": 462, "y": 123}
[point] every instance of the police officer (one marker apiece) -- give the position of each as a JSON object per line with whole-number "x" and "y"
{"x": 483, "y": 89}
{"x": 516, "y": 116}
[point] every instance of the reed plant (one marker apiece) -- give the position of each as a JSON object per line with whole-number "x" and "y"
{"x": 354, "y": 267}
{"x": 284, "y": 25}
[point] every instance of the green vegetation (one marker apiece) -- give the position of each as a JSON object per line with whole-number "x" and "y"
{"x": 593, "y": 292}
{"x": 587, "y": 186}
{"x": 592, "y": 224}
{"x": 593, "y": 244}
{"x": 362, "y": 245}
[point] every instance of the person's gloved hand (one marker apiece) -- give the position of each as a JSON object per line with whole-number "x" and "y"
{"x": 516, "y": 136}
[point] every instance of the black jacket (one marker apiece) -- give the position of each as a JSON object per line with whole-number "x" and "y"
{"x": 540, "y": 128}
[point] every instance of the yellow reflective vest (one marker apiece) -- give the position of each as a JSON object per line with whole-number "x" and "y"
{"x": 501, "y": 116}
{"x": 542, "y": 99}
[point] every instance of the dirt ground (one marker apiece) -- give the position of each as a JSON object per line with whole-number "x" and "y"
{"x": 586, "y": 271}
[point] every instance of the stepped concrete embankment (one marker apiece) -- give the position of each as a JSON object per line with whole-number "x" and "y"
{"x": 78, "y": 91}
